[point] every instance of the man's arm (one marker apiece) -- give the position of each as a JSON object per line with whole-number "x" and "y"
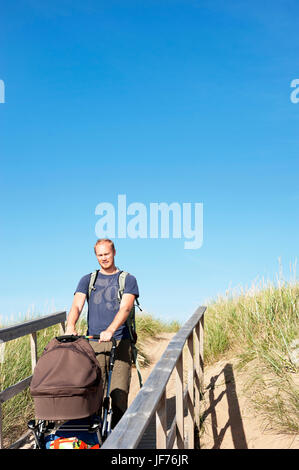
{"x": 74, "y": 314}
{"x": 126, "y": 306}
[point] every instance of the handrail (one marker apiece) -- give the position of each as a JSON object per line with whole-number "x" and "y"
{"x": 16, "y": 331}
{"x": 152, "y": 397}
{"x": 31, "y": 326}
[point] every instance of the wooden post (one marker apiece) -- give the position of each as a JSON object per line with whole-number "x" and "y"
{"x": 33, "y": 347}
{"x": 62, "y": 328}
{"x": 161, "y": 423}
{"x": 190, "y": 394}
{"x": 179, "y": 403}
{"x": 197, "y": 375}
{"x": 201, "y": 363}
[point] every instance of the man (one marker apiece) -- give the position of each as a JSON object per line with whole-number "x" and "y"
{"x": 107, "y": 317}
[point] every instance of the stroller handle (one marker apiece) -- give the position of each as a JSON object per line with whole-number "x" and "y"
{"x": 113, "y": 340}
{"x": 70, "y": 338}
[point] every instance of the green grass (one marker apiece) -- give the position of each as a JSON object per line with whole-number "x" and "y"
{"x": 16, "y": 366}
{"x": 259, "y": 326}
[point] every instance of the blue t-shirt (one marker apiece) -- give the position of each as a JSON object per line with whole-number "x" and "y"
{"x": 103, "y": 303}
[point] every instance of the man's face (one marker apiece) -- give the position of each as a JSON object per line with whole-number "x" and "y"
{"x": 105, "y": 255}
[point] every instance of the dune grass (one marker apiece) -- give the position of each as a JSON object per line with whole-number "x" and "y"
{"x": 259, "y": 326}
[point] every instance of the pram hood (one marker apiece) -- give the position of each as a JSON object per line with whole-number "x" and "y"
{"x": 67, "y": 382}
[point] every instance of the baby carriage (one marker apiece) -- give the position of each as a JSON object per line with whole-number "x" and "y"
{"x": 67, "y": 389}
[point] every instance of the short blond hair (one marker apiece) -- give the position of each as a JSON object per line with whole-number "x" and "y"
{"x": 104, "y": 240}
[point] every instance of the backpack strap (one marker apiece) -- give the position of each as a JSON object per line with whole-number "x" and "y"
{"x": 130, "y": 322}
{"x": 135, "y": 360}
{"x": 121, "y": 284}
{"x": 92, "y": 280}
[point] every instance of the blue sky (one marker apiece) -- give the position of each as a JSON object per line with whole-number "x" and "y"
{"x": 163, "y": 101}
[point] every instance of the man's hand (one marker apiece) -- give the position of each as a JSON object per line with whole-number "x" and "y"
{"x": 126, "y": 305}
{"x": 70, "y": 330}
{"x": 105, "y": 336}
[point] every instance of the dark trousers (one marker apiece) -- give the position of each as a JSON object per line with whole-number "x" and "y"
{"x": 121, "y": 375}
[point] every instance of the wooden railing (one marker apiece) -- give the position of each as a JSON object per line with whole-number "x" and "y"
{"x": 151, "y": 399}
{"x": 23, "y": 329}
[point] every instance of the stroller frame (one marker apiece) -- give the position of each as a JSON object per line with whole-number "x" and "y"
{"x": 95, "y": 424}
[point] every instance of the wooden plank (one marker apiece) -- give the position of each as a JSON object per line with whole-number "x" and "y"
{"x": 179, "y": 403}
{"x": 2, "y": 352}
{"x": 190, "y": 394}
{"x": 129, "y": 430}
{"x": 13, "y": 390}
{"x": 171, "y": 435}
{"x": 201, "y": 358}
{"x": 172, "y": 431}
{"x": 23, "y": 329}
{"x": 21, "y": 441}
{"x": 62, "y": 328}
{"x": 196, "y": 376}
{"x": 161, "y": 423}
